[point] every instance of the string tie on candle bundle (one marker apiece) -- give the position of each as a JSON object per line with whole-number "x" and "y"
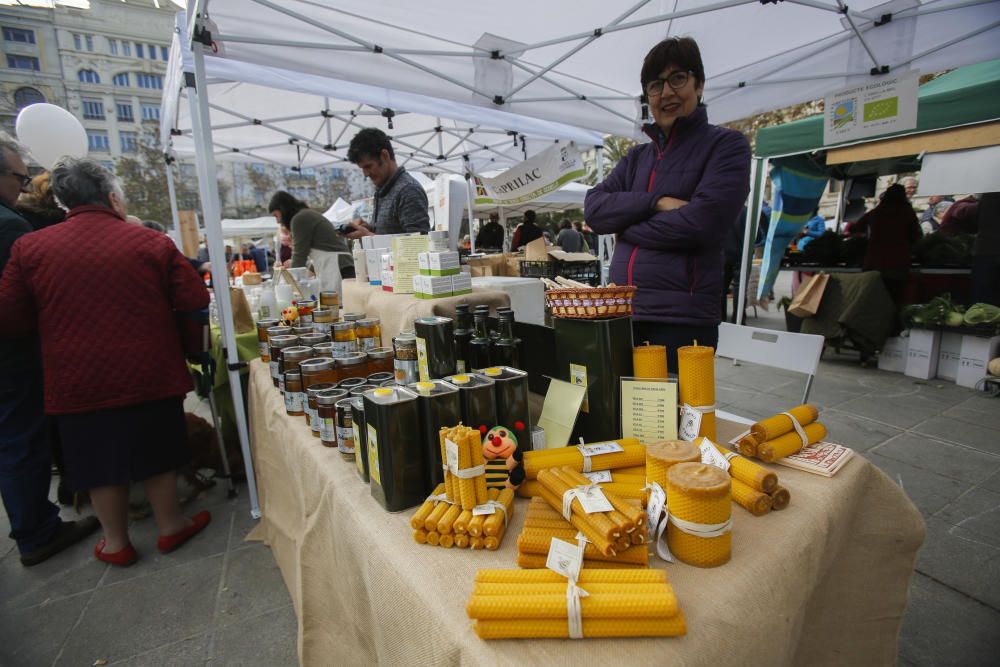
{"x": 497, "y": 505}
{"x": 574, "y": 612}
{"x": 439, "y": 498}
{"x": 577, "y": 492}
{"x": 798, "y": 428}
{"x": 467, "y": 473}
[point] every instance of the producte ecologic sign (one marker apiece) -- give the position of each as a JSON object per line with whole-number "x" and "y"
{"x": 545, "y": 172}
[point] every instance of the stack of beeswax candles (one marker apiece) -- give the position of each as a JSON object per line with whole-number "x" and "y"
{"x": 776, "y": 437}
{"x": 609, "y": 532}
{"x": 752, "y": 484}
{"x": 460, "y": 488}
{"x": 439, "y": 522}
{"x": 625, "y": 483}
{"x": 633, "y": 454}
{"x": 649, "y": 361}
{"x": 700, "y": 528}
{"x": 542, "y": 523}
{"x": 531, "y": 604}
{"x": 696, "y": 383}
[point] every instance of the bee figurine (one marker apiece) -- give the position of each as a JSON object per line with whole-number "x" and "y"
{"x": 503, "y": 467}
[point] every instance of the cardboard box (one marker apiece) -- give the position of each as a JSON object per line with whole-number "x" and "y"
{"x": 976, "y": 354}
{"x": 949, "y": 355}
{"x": 406, "y": 249}
{"x": 527, "y": 296}
{"x": 432, "y": 287}
{"x": 487, "y": 265}
{"x": 373, "y": 264}
{"x": 460, "y": 284}
{"x": 892, "y": 357}
{"x": 922, "y": 353}
{"x": 385, "y": 270}
{"x": 439, "y": 263}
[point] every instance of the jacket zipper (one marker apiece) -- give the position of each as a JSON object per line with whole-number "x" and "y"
{"x": 649, "y": 188}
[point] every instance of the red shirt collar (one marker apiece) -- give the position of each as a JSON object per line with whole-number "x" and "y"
{"x": 93, "y": 208}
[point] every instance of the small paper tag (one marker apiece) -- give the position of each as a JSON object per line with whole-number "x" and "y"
{"x": 451, "y": 454}
{"x": 712, "y": 456}
{"x": 690, "y": 423}
{"x": 598, "y": 448}
{"x": 599, "y": 477}
{"x": 480, "y": 510}
{"x": 565, "y": 558}
{"x": 657, "y": 499}
{"x": 594, "y": 500}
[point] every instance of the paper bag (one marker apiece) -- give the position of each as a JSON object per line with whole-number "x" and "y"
{"x": 535, "y": 251}
{"x": 242, "y": 319}
{"x": 810, "y": 295}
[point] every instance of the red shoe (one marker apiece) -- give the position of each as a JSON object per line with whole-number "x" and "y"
{"x": 168, "y": 543}
{"x": 123, "y": 558}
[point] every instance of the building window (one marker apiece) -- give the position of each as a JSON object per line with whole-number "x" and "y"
{"x": 88, "y": 76}
{"x": 22, "y": 62}
{"x": 124, "y": 110}
{"x": 121, "y": 80}
{"x": 77, "y": 42}
{"x": 138, "y": 50}
{"x": 97, "y": 140}
{"x": 19, "y": 35}
{"x": 25, "y": 96}
{"x": 152, "y": 51}
{"x": 113, "y": 46}
{"x": 129, "y": 141}
{"x": 150, "y": 112}
{"x": 109, "y": 165}
{"x": 164, "y": 53}
{"x": 90, "y": 42}
{"x": 126, "y": 48}
{"x": 149, "y": 81}
{"x": 93, "y": 109}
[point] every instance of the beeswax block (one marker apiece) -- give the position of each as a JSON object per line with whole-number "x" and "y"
{"x": 789, "y": 443}
{"x": 674, "y": 626}
{"x": 750, "y": 499}
{"x": 700, "y": 494}
{"x": 772, "y": 427}
{"x": 696, "y": 383}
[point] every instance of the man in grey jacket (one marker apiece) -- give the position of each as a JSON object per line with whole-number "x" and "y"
{"x": 400, "y": 202}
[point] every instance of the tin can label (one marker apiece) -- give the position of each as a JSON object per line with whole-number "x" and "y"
{"x": 306, "y": 319}
{"x": 322, "y": 327}
{"x": 423, "y": 367}
{"x": 326, "y": 430}
{"x": 294, "y": 401}
{"x": 373, "y": 470}
{"x": 369, "y": 343}
{"x": 274, "y": 368}
{"x": 313, "y": 418}
{"x": 345, "y": 439}
{"x": 345, "y": 346}
{"x": 460, "y": 366}
{"x": 356, "y": 434}
{"x": 262, "y": 348}
{"x": 406, "y": 371}
{"x": 281, "y": 383}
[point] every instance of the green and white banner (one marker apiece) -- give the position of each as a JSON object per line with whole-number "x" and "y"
{"x": 545, "y": 172}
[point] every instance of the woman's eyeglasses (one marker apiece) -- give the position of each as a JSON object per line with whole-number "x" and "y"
{"x": 675, "y": 80}
{"x": 23, "y": 178}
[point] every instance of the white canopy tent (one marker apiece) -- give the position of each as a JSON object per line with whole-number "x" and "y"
{"x": 250, "y": 227}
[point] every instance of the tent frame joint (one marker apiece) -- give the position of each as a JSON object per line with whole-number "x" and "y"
{"x": 882, "y": 20}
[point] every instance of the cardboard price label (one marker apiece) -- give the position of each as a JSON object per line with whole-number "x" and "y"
{"x": 690, "y": 423}
{"x": 565, "y": 558}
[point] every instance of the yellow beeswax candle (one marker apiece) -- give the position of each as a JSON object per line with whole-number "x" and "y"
{"x": 492, "y": 542}
{"x": 433, "y": 538}
{"x": 476, "y": 542}
{"x": 446, "y": 522}
{"x": 635, "y": 516}
{"x": 638, "y": 471}
{"x": 506, "y": 576}
{"x": 625, "y": 490}
{"x": 772, "y": 427}
{"x": 780, "y": 498}
{"x": 420, "y": 536}
{"x": 633, "y": 454}
{"x": 750, "y": 499}
{"x": 538, "y": 562}
{"x": 476, "y": 523}
{"x": 603, "y": 543}
{"x": 696, "y": 383}
{"x": 448, "y": 480}
{"x": 639, "y": 537}
{"x": 747, "y": 445}
{"x": 417, "y": 521}
{"x": 431, "y": 523}
{"x": 537, "y": 541}
{"x": 674, "y": 626}
{"x": 555, "y": 486}
{"x": 752, "y": 474}
{"x": 466, "y": 486}
{"x": 461, "y": 540}
{"x": 789, "y": 443}
{"x": 596, "y": 605}
{"x": 556, "y": 589}
{"x": 699, "y": 494}
{"x": 547, "y": 524}
{"x": 649, "y": 361}
{"x": 494, "y": 523}
{"x": 461, "y": 525}
{"x": 446, "y": 541}
{"x": 475, "y": 443}
{"x": 661, "y": 456}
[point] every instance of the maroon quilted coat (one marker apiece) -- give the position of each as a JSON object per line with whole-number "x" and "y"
{"x": 103, "y": 295}
{"x": 674, "y": 258}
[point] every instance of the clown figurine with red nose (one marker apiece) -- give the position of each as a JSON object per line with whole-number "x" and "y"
{"x": 499, "y": 450}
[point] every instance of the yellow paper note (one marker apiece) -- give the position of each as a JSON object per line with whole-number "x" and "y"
{"x": 562, "y": 404}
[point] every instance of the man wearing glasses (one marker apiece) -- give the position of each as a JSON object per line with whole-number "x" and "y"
{"x": 25, "y": 457}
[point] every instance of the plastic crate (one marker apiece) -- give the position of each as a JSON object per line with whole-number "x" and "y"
{"x": 584, "y": 272}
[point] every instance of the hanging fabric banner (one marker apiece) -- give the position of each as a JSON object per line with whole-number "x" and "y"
{"x": 532, "y": 178}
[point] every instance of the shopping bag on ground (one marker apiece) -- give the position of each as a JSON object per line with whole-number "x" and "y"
{"x": 810, "y": 295}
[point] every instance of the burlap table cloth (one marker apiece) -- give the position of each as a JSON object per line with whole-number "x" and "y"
{"x": 398, "y": 311}
{"x": 823, "y": 582}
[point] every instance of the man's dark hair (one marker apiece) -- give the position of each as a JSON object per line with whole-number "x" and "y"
{"x": 565, "y": 224}
{"x": 529, "y": 217}
{"x": 369, "y": 142}
{"x": 287, "y": 204}
{"x": 681, "y": 52}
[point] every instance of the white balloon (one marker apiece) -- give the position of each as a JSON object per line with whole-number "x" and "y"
{"x": 50, "y": 132}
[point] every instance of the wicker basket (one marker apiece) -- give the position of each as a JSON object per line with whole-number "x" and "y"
{"x": 596, "y": 303}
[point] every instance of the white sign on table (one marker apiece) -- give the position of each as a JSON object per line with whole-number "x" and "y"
{"x": 883, "y": 105}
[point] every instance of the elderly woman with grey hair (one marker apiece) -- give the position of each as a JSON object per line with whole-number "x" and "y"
{"x": 115, "y": 376}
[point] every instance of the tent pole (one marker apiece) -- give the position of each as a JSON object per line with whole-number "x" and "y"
{"x": 505, "y": 247}
{"x": 175, "y": 233}
{"x": 468, "y": 193}
{"x": 202, "y": 133}
{"x": 841, "y": 202}
{"x": 758, "y": 168}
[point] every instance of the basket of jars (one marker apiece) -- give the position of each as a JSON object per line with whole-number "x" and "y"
{"x": 573, "y": 300}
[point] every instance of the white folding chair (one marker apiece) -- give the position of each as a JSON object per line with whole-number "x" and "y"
{"x": 778, "y": 349}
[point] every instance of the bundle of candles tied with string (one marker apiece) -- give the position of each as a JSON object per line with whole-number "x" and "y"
{"x": 783, "y": 435}
{"x": 575, "y": 300}
{"x": 462, "y": 512}
{"x": 618, "y": 466}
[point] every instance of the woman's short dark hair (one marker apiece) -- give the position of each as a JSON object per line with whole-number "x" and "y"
{"x": 287, "y": 204}
{"x": 83, "y": 182}
{"x": 895, "y": 194}
{"x": 369, "y": 142}
{"x": 682, "y": 52}
{"x": 529, "y": 217}
{"x": 565, "y": 224}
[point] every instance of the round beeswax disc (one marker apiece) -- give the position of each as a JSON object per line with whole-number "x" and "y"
{"x": 674, "y": 451}
{"x": 698, "y": 479}
{"x": 460, "y": 379}
{"x": 493, "y": 371}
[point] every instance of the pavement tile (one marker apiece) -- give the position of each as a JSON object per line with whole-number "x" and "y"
{"x": 943, "y": 628}
{"x": 980, "y": 402}
{"x": 855, "y": 432}
{"x": 977, "y": 513}
{"x": 930, "y": 492}
{"x": 183, "y": 653}
{"x": 955, "y": 557}
{"x": 970, "y": 415}
{"x": 252, "y": 586}
{"x": 34, "y": 636}
{"x": 144, "y": 613}
{"x": 268, "y": 639}
{"x": 961, "y": 463}
{"x": 992, "y": 483}
{"x": 971, "y": 433}
{"x": 903, "y": 405}
{"x": 67, "y": 573}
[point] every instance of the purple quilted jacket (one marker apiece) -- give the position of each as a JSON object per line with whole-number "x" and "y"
{"x": 675, "y": 259}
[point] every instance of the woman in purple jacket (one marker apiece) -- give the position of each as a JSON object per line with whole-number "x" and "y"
{"x": 672, "y": 202}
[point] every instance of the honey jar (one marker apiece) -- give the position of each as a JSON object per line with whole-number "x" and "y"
{"x": 323, "y": 319}
{"x": 305, "y": 308}
{"x": 290, "y": 359}
{"x": 262, "y": 348}
{"x": 326, "y": 410}
{"x": 345, "y": 340}
{"x": 303, "y": 329}
{"x": 352, "y": 365}
{"x": 380, "y": 360}
{"x": 295, "y": 396}
{"x": 311, "y": 414}
{"x": 314, "y": 339}
{"x": 275, "y": 344}
{"x": 369, "y": 333}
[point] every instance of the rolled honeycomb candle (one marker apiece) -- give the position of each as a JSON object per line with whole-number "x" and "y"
{"x": 420, "y": 536}
{"x": 633, "y": 454}
{"x": 538, "y": 562}
{"x": 649, "y": 361}
{"x": 700, "y": 494}
{"x": 433, "y": 538}
{"x": 507, "y": 576}
{"x": 476, "y": 449}
{"x": 789, "y": 443}
{"x": 673, "y": 626}
{"x": 599, "y": 540}
{"x": 431, "y": 523}
{"x": 476, "y": 522}
{"x": 696, "y": 383}
{"x": 753, "y": 475}
{"x": 462, "y": 522}
{"x": 572, "y": 478}
{"x": 661, "y": 456}
{"x": 466, "y": 486}
{"x": 548, "y": 524}
{"x": 558, "y": 488}
{"x": 494, "y": 523}
{"x": 446, "y": 522}
{"x": 772, "y": 427}
{"x": 449, "y": 482}
{"x": 417, "y": 521}
{"x": 447, "y": 541}
{"x": 780, "y": 498}
{"x": 461, "y": 540}
{"x": 595, "y": 605}
{"x": 476, "y": 542}
{"x": 638, "y": 471}
{"x": 750, "y": 499}
{"x": 634, "y": 515}
{"x": 639, "y": 537}
{"x": 747, "y": 445}
{"x": 625, "y": 490}
{"x": 555, "y": 589}
{"x": 537, "y": 541}
{"x": 492, "y": 542}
